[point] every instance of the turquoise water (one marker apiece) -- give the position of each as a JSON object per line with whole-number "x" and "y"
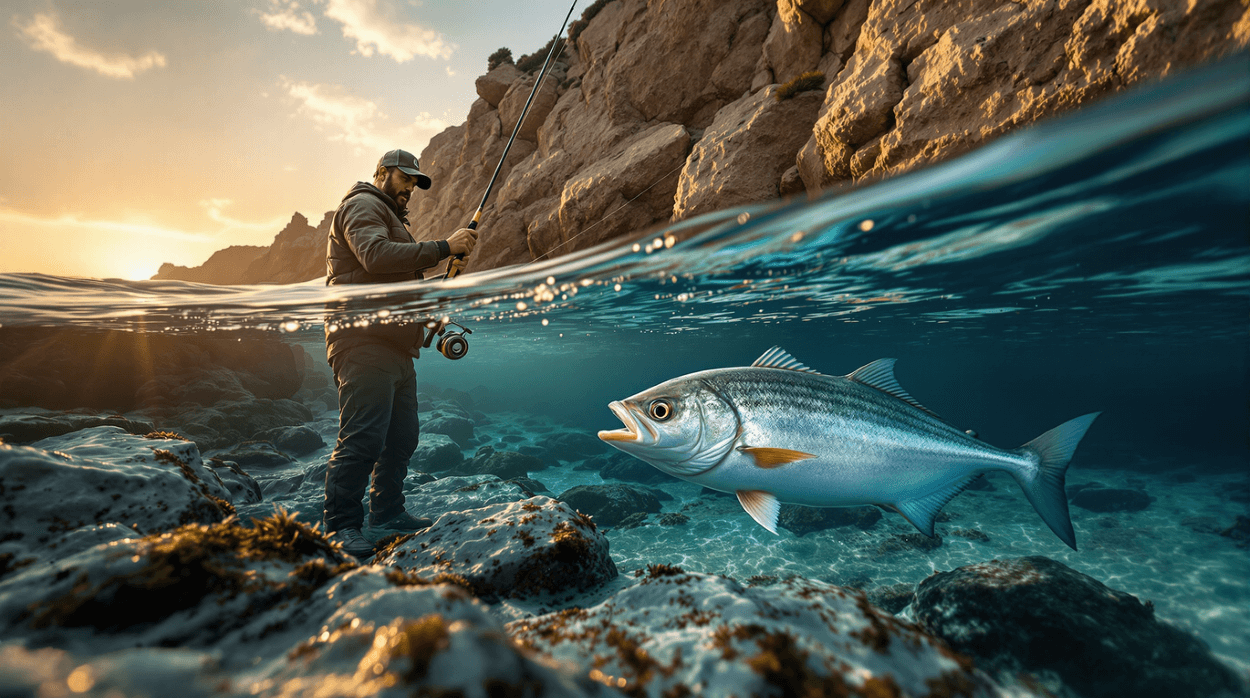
{"x": 1097, "y": 262}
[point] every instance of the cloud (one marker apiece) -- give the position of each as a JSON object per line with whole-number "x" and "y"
{"x": 377, "y": 28}
{"x": 357, "y": 121}
{"x": 45, "y": 34}
{"x": 215, "y": 209}
{"x": 285, "y": 15}
{"x": 81, "y": 226}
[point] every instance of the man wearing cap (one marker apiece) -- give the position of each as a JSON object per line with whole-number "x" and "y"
{"x": 369, "y": 243}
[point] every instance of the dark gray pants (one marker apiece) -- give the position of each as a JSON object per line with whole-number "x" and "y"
{"x": 378, "y": 433}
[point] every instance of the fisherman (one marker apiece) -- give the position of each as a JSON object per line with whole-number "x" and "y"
{"x": 369, "y": 243}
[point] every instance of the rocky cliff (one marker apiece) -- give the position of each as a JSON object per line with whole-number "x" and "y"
{"x": 298, "y": 253}
{"x": 659, "y": 111}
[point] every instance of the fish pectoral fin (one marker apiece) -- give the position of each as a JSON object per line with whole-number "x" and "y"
{"x": 923, "y": 512}
{"x": 773, "y": 457}
{"x": 762, "y": 506}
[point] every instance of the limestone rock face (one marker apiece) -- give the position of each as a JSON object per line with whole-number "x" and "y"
{"x": 745, "y": 151}
{"x": 513, "y": 102}
{"x": 930, "y": 80}
{"x": 494, "y": 85}
{"x": 794, "y": 44}
{"x": 649, "y": 86}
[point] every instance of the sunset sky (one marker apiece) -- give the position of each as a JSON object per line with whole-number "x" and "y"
{"x": 135, "y": 133}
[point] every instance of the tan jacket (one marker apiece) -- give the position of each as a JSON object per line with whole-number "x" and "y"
{"x": 369, "y": 243}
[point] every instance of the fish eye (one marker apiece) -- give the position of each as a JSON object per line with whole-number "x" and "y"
{"x": 661, "y": 410}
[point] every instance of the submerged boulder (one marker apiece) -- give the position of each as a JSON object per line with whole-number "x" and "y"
{"x": 1110, "y": 499}
{"x": 436, "y": 453}
{"x": 674, "y": 630}
{"x": 296, "y": 440}
{"x": 611, "y": 504}
{"x": 535, "y": 547}
{"x": 24, "y": 428}
{"x": 459, "y": 429}
{"x": 98, "y": 476}
{"x": 801, "y": 520}
{"x": 257, "y": 454}
{"x": 1041, "y": 617}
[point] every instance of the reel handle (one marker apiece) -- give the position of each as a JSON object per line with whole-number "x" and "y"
{"x": 451, "y": 270}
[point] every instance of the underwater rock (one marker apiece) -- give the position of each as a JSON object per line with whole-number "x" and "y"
{"x": 243, "y": 487}
{"x": 630, "y": 469}
{"x": 460, "y": 429}
{"x": 981, "y": 483}
{"x": 99, "y": 476}
{"x": 675, "y": 630}
{"x": 529, "y": 484}
{"x": 56, "y": 368}
{"x": 256, "y": 454}
{"x": 909, "y": 541}
{"x": 535, "y": 547}
{"x": 801, "y": 520}
{"x": 24, "y": 428}
{"x": 971, "y": 534}
{"x": 632, "y": 521}
{"x": 226, "y": 424}
{"x": 893, "y": 598}
{"x": 1202, "y": 524}
{"x": 429, "y": 643}
{"x": 1107, "y": 499}
{"x": 572, "y": 445}
{"x": 1039, "y": 616}
{"x": 128, "y": 672}
{"x": 295, "y": 440}
{"x": 222, "y": 585}
{"x": 610, "y": 504}
{"x": 436, "y": 453}
{"x": 433, "y": 499}
{"x": 673, "y": 519}
{"x": 504, "y": 465}
{"x": 1239, "y": 532}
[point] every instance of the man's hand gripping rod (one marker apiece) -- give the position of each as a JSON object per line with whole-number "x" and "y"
{"x": 453, "y": 269}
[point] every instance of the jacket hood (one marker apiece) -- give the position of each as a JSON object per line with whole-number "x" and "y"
{"x": 367, "y": 188}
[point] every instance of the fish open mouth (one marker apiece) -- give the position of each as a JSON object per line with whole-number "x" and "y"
{"x": 632, "y": 430}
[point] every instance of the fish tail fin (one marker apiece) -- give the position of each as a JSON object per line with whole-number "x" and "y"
{"x": 1044, "y": 486}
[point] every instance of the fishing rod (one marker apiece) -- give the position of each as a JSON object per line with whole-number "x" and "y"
{"x": 452, "y": 270}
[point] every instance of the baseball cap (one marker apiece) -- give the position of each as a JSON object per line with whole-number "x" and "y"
{"x": 407, "y": 163}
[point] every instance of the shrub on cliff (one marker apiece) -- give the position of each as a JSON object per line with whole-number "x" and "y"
{"x": 534, "y": 61}
{"x": 807, "y": 81}
{"x": 498, "y": 58}
{"x": 575, "y": 29}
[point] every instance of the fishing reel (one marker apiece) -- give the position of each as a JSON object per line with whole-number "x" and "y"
{"x": 453, "y": 345}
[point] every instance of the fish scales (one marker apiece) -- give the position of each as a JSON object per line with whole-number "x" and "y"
{"x": 777, "y": 431}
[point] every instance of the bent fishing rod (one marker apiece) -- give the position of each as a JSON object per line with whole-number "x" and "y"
{"x": 452, "y": 270}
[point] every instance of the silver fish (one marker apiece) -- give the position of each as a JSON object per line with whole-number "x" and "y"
{"x": 777, "y": 431}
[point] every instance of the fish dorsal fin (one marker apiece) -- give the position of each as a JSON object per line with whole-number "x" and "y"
{"x": 762, "y": 506}
{"x": 778, "y": 358}
{"x": 880, "y": 375}
{"x": 922, "y": 512}
{"x": 774, "y": 457}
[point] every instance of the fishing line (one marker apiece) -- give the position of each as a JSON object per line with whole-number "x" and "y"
{"x": 606, "y": 215}
{"x": 452, "y": 270}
